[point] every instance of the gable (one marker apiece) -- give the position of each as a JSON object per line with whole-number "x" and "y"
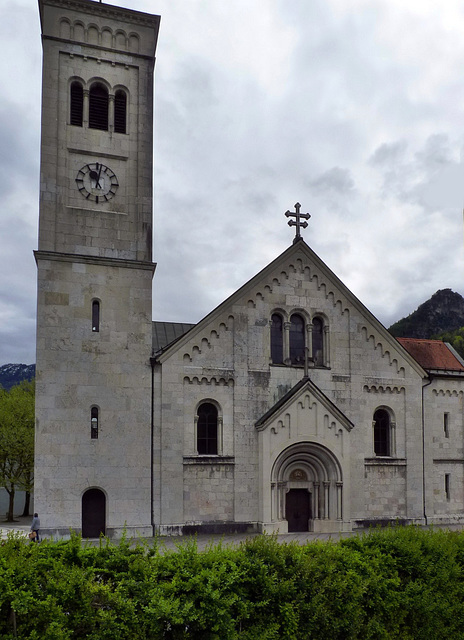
{"x": 296, "y": 276}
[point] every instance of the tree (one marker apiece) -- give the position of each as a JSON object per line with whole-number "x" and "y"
{"x": 17, "y": 440}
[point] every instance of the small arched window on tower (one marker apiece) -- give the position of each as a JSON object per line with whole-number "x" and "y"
{"x": 120, "y": 111}
{"x": 77, "y": 104}
{"x": 318, "y": 342}
{"x": 98, "y": 107}
{"x": 297, "y": 339}
{"x": 382, "y": 433}
{"x": 207, "y": 429}
{"x": 95, "y": 315}
{"x": 277, "y": 339}
{"x": 94, "y": 423}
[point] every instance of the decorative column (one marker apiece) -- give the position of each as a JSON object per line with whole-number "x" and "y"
{"x": 85, "y": 108}
{"x": 111, "y": 113}
{"x": 326, "y": 352}
{"x": 339, "y": 500}
{"x": 392, "y": 438}
{"x": 326, "y": 499}
{"x": 286, "y": 337}
{"x": 282, "y": 487}
{"x": 309, "y": 342}
{"x": 220, "y": 435}
{"x": 316, "y": 512}
{"x": 273, "y": 502}
{"x": 195, "y": 435}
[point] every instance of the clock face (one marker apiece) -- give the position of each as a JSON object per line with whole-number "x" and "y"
{"x": 97, "y": 182}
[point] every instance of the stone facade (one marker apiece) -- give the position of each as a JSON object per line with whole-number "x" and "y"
{"x": 287, "y": 408}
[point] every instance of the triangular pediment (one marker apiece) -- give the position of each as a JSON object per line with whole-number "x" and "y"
{"x": 305, "y": 396}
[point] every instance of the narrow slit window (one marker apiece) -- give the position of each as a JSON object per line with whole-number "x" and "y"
{"x": 447, "y": 486}
{"x": 446, "y": 424}
{"x": 98, "y": 107}
{"x": 120, "y": 109}
{"x": 77, "y": 104}
{"x": 95, "y": 315}
{"x": 94, "y": 423}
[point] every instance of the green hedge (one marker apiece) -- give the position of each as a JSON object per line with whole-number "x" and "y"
{"x": 398, "y": 583}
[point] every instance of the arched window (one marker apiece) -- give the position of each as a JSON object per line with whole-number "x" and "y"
{"x": 77, "y": 104}
{"x": 98, "y": 107}
{"x": 277, "y": 339}
{"x": 95, "y": 315}
{"x": 120, "y": 108}
{"x": 207, "y": 429}
{"x": 318, "y": 342}
{"x": 297, "y": 339}
{"x": 94, "y": 423}
{"x": 382, "y": 433}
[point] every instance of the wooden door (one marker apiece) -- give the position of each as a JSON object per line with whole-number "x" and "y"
{"x": 298, "y": 509}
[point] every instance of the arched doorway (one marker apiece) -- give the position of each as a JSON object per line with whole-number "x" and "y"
{"x": 93, "y": 513}
{"x": 307, "y": 488}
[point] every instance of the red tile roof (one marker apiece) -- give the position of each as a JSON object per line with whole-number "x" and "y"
{"x": 431, "y": 354}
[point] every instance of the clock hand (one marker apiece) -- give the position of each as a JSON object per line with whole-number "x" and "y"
{"x": 98, "y": 185}
{"x": 96, "y": 176}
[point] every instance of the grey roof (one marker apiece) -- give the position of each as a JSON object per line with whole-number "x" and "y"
{"x": 166, "y": 332}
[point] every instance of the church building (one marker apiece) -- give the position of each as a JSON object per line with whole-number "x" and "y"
{"x": 288, "y": 408}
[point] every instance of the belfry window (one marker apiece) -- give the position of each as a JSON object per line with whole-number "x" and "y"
{"x": 120, "y": 108}
{"x": 382, "y": 433}
{"x": 94, "y": 423}
{"x": 77, "y": 104}
{"x": 277, "y": 339}
{"x": 207, "y": 429}
{"x": 98, "y": 107}
{"x": 95, "y": 315}
{"x": 318, "y": 342}
{"x": 297, "y": 339}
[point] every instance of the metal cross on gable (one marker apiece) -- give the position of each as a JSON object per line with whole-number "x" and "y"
{"x": 297, "y": 222}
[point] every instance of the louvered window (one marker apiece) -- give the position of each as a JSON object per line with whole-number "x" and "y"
{"x": 98, "y": 107}
{"x": 120, "y": 102}
{"x": 77, "y": 104}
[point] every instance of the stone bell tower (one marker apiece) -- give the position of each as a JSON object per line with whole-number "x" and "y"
{"x": 93, "y": 410}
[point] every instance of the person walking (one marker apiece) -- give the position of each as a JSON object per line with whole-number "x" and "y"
{"x": 35, "y": 526}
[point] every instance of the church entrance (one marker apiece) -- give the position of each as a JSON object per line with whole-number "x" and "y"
{"x": 307, "y": 489}
{"x": 93, "y": 513}
{"x": 298, "y": 509}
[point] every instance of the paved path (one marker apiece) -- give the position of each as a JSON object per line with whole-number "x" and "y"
{"x": 21, "y": 526}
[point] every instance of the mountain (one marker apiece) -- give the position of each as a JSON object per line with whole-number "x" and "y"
{"x": 444, "y": 312}
{"x": 13, "y": 374}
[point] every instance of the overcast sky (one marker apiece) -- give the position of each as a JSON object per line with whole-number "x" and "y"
{"x": 354, "y": 108}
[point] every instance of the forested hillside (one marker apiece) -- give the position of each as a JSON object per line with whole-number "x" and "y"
{"x": 13, "y": 374}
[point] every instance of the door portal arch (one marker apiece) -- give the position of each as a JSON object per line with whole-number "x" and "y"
{"x": 93, "y": 513}
{"x": 306, "y": 487}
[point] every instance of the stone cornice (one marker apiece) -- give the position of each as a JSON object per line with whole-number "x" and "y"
{"x": 107, "y": 262}
{"x": 108, "y": 11}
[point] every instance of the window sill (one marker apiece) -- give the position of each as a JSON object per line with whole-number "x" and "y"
{"x": 207, "y": 459}
{"x": 385, "y": 460}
